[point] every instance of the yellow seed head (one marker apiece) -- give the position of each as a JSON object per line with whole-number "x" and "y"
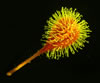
{"x": 65, "y": 31}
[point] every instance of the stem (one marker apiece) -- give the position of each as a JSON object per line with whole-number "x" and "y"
{"x": 38, "y": 53}
{"x": 23, "y": 63}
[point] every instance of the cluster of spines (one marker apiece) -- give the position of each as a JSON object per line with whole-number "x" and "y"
{"x": 79, "y": 43}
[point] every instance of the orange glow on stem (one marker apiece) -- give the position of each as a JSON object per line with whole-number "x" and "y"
{"x": 23, "y": 63}
{"x": 38, "y": 53}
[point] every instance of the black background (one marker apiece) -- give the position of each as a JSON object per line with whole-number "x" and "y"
{"x": 21, "y": 38}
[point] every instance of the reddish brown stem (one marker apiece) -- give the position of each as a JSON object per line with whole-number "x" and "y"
{"x": 38, "y": 53}
{"x": 23, "y": 63}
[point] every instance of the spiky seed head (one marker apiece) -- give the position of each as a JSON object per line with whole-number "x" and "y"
{"x": 65, "y": 31}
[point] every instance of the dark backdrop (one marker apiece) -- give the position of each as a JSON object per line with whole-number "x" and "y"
{"x": 21, "y": 38}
